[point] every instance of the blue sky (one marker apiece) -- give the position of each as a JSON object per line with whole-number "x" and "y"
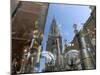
{"x": 65, "y": 16}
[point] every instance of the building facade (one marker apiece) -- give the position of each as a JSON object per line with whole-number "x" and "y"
{"x": 84, "y": 41}
{"x": 28, "y": 21}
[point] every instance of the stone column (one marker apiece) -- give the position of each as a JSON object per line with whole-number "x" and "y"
{"x": 86, "y": 58}
{"x": 58, "y": 53}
